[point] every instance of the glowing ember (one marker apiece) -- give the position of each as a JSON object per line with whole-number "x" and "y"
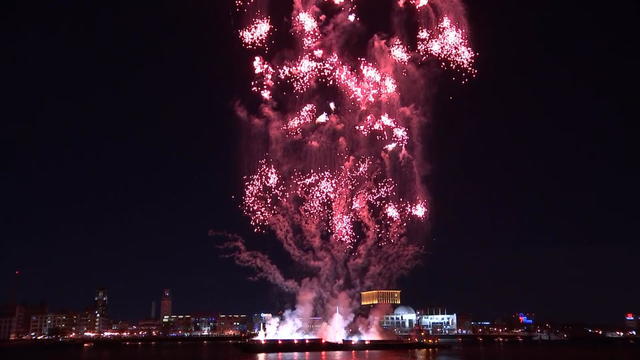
{"x": 308, "y": 26}
{"x": 264, "y": 78}
{"x": 399, "y": 52}
{"x": 256, "y": 34}
{"x": 338, "y": 178}
{"x": 448, "y": 43}
{"x": 305, "y": 116}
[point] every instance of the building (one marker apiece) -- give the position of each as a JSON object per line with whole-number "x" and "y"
{"x": 401, "y": 322}
{"x": 203, "y": 325}
{"x": 7, "y": 322}
{"x": 7, "y": 327}
{"x": 38, "y": 325}
{"x": 482, "y": 327}
{"x": 380, "y": 297}
{"x": 62, "y": 324}
{"x": 405, "y": 320}
{"x": 149, "y": 327}
{"x": 232, "y": 324}
{"x": 631, "y": 322}
{"x": 16, "y": 320}
{"x": 165, "y": 303}
{"x": 100, "y": 302}
{"x": 440, "y": 324}
{"x": 177, "y": 324}
{"x": 97, "y": 318}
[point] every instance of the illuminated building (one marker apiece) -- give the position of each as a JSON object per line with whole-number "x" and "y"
{"x": 380, "y": 297}
{"x": 149, "y": 326}
{"x": 442, "y": 324}
{"x": 62, "y": 324}
{"x": 98, "y": 318}
{"x": 203, "y": 325}
{"x": 404, "y": 320}
{"x": 177, "y": 324}
{"x": 232, "y": 324}
{"x": 165, "y": 303}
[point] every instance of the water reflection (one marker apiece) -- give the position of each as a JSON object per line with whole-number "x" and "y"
{"x": 422, "y": 354}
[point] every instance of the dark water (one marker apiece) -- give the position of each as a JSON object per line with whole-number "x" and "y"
{"x": 168, "y": 351}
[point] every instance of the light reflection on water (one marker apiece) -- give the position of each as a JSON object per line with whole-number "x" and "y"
{"x": 421, "y": 354}
{"x": 222, "y": 351}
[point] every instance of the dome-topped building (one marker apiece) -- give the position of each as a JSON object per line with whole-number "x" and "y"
{"x": 403, "y": 319}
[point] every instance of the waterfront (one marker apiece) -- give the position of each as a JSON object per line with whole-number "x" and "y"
{"x": 225, "y": 351}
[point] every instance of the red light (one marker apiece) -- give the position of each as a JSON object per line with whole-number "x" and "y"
{"x": 629, "y": 316}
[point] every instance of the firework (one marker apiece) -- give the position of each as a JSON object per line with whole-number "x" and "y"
{"x": 339, "y": 183}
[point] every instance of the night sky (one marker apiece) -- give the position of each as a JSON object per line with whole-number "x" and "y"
{"x": 123, "y": 151}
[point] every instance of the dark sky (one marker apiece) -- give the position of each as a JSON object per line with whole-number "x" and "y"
{"x": 122, "y": 151}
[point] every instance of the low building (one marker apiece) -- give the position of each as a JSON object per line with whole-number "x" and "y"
{"x": 232, "y": 324}
{"x": 63, "y": 324}
{"x": 440, "y": 324}
{"x": 203, "y": 325}
{"x": 405, "y": 320}
{"x": 401, "y": 322}
{"x": 177, "y": 324}
{"x": 149, "y": 327}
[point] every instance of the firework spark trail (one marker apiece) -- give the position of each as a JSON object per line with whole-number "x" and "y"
{"x": 340, "y": 182}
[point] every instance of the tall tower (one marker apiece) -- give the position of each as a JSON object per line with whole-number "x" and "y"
{"x": 101, "y": 315}
{"x": 165, "y": 303}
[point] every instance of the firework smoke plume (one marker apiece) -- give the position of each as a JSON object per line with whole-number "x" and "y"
{"x": 339, "y": 167}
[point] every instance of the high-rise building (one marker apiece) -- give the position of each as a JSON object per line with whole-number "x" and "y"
{"x": 165, "y": 303}
{"x": 101, "y": 300}
{"x": 380, "y": 297}
{"x": 98, "y": 317}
